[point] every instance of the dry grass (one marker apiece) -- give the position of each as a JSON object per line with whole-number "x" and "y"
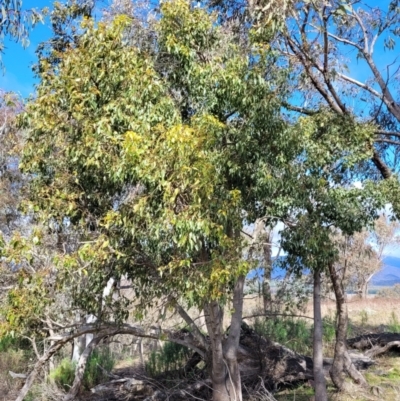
{"x": 14, "y": 361}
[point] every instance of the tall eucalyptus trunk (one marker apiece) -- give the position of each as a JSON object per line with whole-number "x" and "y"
{"x": 337, "y": 369}
{"x": 319, "y": 377}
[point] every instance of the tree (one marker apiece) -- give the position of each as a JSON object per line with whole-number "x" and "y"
{"x": 154, "y": 154}
{"x": 15, "y": 22}
{"x": 325, "y": 44}
{"x": 153, "y": 161}
{"x": 362, "y": 254}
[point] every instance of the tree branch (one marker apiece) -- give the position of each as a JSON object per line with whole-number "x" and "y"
{"x": 361, "y": 85}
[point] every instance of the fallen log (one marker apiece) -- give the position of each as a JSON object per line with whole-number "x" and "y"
{"x": 278, "y": 365}
{"x": 375, "y": 344}
{"x": 367, "y": 341}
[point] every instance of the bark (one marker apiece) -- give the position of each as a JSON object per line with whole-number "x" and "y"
{"x": 218, "y": 372}
{"x": 267, "y": 295}
{"x": 363, "y": 290}
{"x": 337, "y": 370}
{"x": 353, "y": 372}
{"x": 319, "y": 377}
{"x": 225, "y": 371}
{"x": 80, "y": 369}
{"x": 232, "y": 343}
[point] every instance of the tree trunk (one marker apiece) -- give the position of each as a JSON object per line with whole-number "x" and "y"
{"x": 218, "y": 373}
{"x": 223, "y": 360}
{"x": 232, "y": 343}
{"x": 266, "y": 289}
{"x": 319, "y": 377}
{"x": 337, "y": 370}
{"x": 363, "y": 289}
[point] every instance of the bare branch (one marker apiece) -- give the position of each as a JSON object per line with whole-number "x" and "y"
{"x": 345, "y": 41}
{"x": 390, "y": 141}
{"x": 365, "y": 33}
{"x": 360, "y": 84}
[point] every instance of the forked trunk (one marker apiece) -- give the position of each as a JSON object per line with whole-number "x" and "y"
{"x": 224, "y": 366}
{"x": 319, "y": 378}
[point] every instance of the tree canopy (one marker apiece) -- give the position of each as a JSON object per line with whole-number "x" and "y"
{"x": 152, "y": 142}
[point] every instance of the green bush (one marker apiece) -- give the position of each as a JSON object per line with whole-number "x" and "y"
{"x": 8, "y": 343}
{"x": 394, "y": 324}
{"x": 291, "y": 332}
{"x": 171, "y": 357}
{"x": 99, "y": 363}
{"x": 329, "y": 329}
{"x": 63, "y": 375}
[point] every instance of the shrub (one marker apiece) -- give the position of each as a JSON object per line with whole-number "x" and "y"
{"x": 100, "y": 362}
{"x": 394, "y": 324}
{"x": 329, "y": 329}
{"x": 171, "y": 357}
{"x": 292, "y": 332}
{"x": 63, "y": 375}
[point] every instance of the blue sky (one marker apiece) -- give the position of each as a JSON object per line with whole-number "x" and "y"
{"x": 18, "y": 61}
{"x": 18, "y": 76}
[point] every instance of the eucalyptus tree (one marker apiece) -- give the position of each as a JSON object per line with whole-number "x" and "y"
{"x": 154, "y": 157}
{"x": 15, "y": 21}
{"x": 343, "y": 56}
{"x": 155, "y": 154}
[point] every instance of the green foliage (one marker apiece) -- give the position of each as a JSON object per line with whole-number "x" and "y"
{"x": 7, "y": 342}
{"x": 94, "y": 375}
{"x": 171, "y": 357}
{"x": 155, "y": 163}
{"x": 294, "y": 333}
{"x": 394, "y": 323}
{"x": 99, "y": 363}
{"x": 64, "y": 374}
{"x": 329, "y": 329}
{"x": 156, "y": 158}
{"x": 16, "y": 22}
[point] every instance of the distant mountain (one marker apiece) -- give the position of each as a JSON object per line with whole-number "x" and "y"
{"x": 277, "y": 273}
{"x": 390, "y": 273}
{"x": 387, "y": 276}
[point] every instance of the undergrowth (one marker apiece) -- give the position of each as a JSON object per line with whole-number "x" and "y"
{"x": 171, "y": 357}
{"x": 292, "y": 332}
{"x": 99, "y": 363}
{"x": 394, "y": 323}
